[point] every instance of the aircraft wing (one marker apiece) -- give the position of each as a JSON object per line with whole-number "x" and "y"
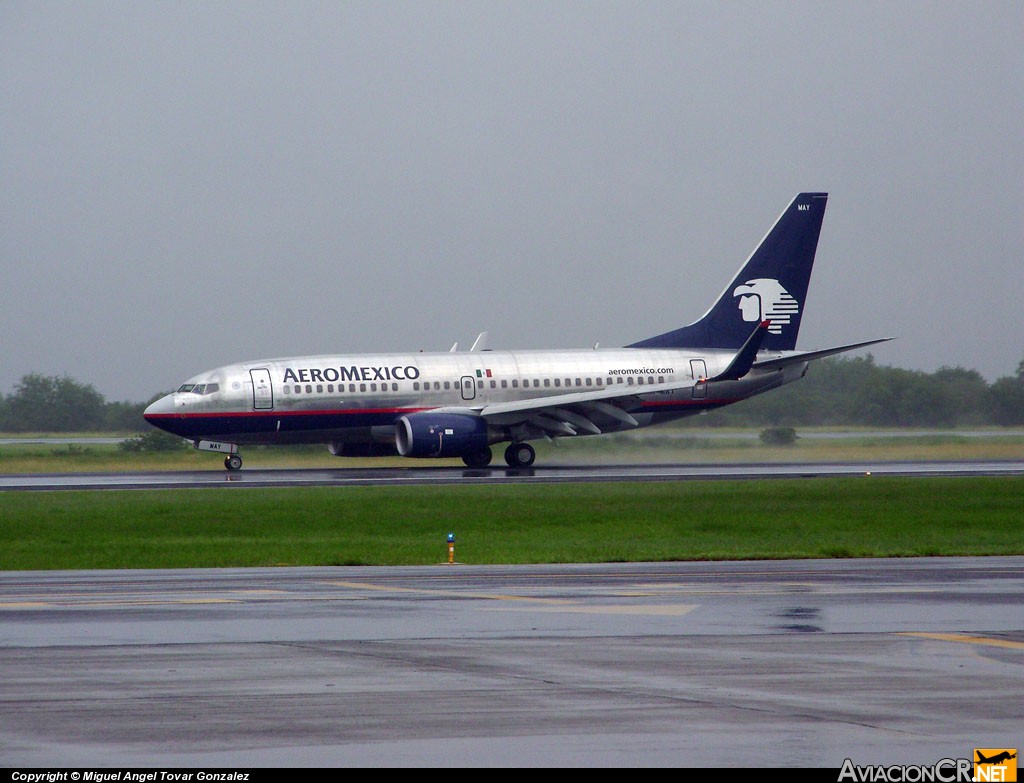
{"x": 566, "y": 414}
{"x": 806, "y": 356}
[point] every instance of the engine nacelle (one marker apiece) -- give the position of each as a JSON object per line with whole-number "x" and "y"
{"x": 440, "y": 434}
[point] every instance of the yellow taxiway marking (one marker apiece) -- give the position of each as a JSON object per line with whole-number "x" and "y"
{"x": 449, "y": 593}
{"x": 65, "y": 603}
{"x": 773, "y": 588}
{"x": 965, "y": 639}
{"x": 537, "y": 604}
{"x": 639, "y": 610}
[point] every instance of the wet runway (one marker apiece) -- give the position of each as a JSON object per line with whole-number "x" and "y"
{"x": 781, "y": 663}
{"x": 495, "y": 474}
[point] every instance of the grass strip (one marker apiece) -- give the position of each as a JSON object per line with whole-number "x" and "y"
{"x": 689, "y": 520}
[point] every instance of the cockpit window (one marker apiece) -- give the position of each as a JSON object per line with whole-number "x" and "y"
{"x": 199, "y": 388}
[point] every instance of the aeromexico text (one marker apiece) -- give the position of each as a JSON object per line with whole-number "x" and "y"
{"x": 408, "y": 372}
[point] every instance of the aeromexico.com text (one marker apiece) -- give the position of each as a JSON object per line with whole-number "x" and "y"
{"x": 644, "y": 371}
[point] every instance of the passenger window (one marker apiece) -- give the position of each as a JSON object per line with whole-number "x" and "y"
{"x": 394, "y": 387}
{"x": 415, "y": 385}
{"x": 629, "y": 381}
{"x": 600, "y": 381}
{"x": 547, "y": 383}
{"x": 319, "y": 388}
{"x": 287, "y": 389}
{"x": 504, "y": 384}
{"x": 661, "y": 379}
{"x": 558, "y": 381}
{"x": 589, "y": 382}
{"x": 447, "y": 385}
{"x": 494, "y": 384}
{"x": 362, "y": 387}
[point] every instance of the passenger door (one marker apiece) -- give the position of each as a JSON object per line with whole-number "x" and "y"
{"x": 699, "y": 373}
{"x": 262, "y": 390}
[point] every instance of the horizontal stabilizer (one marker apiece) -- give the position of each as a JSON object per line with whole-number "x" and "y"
{"x": 807, "y": 356}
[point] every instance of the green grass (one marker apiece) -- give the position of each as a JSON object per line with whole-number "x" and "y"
{"x": 657, "y": 445}
{"x": 844, "y": 517}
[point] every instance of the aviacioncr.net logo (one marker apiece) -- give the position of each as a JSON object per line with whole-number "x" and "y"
{"x": 995, "y": 765}
{"x": 765, "y": 298}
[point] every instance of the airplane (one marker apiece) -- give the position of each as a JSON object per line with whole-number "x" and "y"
{"x": 457, "y": 404}
{"x": 1004, "y": 756}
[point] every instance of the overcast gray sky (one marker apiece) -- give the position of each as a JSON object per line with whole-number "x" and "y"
{"x": 186, "y": 185}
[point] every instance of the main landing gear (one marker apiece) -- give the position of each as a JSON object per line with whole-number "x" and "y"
{"x": 478, "y": 459}
{"x": 517, "y": 455}
{"x": 520, "y": 455}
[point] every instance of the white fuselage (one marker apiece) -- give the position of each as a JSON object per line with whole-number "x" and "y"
{"x": 358, "y": 398}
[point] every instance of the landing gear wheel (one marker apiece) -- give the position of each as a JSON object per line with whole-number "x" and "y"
{"x": 478, "y": 459}
{"x": 520, "y": 455}
{"x": 233, "y": 462}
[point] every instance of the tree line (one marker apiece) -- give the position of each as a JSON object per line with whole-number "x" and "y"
{"x": 46, "y": 403}
{"x": 838, "y": 391}
{"x": 855, "y": 391}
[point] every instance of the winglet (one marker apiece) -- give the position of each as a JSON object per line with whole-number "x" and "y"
{"x": 480, "y": 344}
{"x": 744, "y": 358}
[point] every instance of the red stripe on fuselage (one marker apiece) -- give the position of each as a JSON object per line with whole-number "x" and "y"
{"x": 277, "y": 413}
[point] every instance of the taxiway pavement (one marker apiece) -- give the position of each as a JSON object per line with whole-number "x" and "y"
{"x": 775, "y": 663}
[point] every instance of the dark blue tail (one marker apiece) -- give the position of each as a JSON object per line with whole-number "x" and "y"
{"x": 771, "y": 286}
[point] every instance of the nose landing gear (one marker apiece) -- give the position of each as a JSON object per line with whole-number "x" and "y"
{"x": 233, "y": 460}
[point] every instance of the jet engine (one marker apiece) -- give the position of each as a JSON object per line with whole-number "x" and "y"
{"x": 440, "y": 435}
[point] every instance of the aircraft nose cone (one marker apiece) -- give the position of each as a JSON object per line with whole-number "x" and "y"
{"x": 161, "y": 407}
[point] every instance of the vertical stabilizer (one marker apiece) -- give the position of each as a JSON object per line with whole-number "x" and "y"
{"x": 771, "y": 286}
